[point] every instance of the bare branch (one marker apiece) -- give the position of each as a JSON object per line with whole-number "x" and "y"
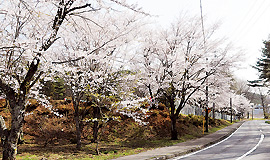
{"x": 62, "y": 12}
{"x": 81, "y": 7}
{"x": 19, "y": 57}
{"x": 90, "y": 10}
{"x": 9, "y": 47}
{"x": 82, "y": 57}
{"x": 89, "y": 20}
{"x": 130, "y": 7}
{"x": 72, "y": 60}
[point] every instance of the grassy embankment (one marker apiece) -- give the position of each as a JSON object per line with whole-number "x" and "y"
{"x": 120, "y": 147}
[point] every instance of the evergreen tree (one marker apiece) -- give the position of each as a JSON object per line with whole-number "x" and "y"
{"x": 263, "y": 63}
{"x": 47, "y": 88}
{"x": 263, "y": 67}
{"x": 55, "y": 89}
{"x": 59, "y": 89}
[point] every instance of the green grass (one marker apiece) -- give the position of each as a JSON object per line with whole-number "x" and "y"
{"x": 258, "y": 119}
{"x": 214, "y": 129}
{"x": 107, "y": 152}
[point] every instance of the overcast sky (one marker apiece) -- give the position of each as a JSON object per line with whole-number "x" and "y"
{"x": 246, "y": 23}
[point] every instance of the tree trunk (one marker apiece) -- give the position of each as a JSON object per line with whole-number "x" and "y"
{"x": 17, "y": 109}
{"x": 263, "y": 105}
{"x": 97, "y": 150}
{"x": 152, "y": 104}
{"x": 173, "y": 128}
{"x": 10, "y": 148}
{"x": 3, "y": 130}
{"x": 264, "y": 112}
{"x": 10, "y": 137}
{"x": 206, "y": 119}
{"x": 78, "y": 132}
{"x": 95, "y": 131}
{"x": 77, "y": 122}
{"x": 96, "y": 114}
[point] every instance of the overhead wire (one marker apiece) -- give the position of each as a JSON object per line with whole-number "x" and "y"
{"x": 245, "y": 17}
{"x": 251, "y": 22}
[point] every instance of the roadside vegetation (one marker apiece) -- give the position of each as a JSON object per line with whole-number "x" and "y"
{"x": 48, "y": 136}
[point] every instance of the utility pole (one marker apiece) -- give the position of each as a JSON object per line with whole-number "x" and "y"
{"x": 206, "y": 109}
{"x": 206, "y": 92}
{"x": 213, "y": 110}
{"x": 231, "y": 109}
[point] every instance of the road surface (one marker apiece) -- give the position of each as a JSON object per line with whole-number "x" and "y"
{"x": 250, "y": 142}
{"x": 258, "y": 113}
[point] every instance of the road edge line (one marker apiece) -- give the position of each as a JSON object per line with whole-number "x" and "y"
{"x": 253, "y": 149}
{"x": 190, "y": 154}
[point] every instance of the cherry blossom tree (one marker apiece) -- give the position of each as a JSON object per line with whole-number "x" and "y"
{"x": 241, "y": 105}
{"x": 177, "y": 62}
{"x": 31, "y": 32}
{"x": 90, "y": 63}
{"x": 219, "y": 91}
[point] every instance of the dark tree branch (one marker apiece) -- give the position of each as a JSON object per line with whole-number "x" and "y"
{"x": 19, "y": 57}
{"x": 25, "y": 85}
{"x": 49, "y": 42}
{"x": 62, "y": 12}
{"x": 82, "y": 57}
{"x": 37, "y": 78}
{"x": 9, "y": 47}
{"x": 80, "y": 7}
{"x": 58, "y": 20}
{"x": 81, "y": 12}
{"x": 9, "y": 92}
{"x": 17, "y": 78}
{"x": 71, "y": 60}
{"x": 255, "y": 83}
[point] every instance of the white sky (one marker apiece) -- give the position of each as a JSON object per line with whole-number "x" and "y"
{"x": 246, "y": 23}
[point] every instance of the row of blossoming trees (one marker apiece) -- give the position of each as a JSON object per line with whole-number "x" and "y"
{"x": 105, "y": 52}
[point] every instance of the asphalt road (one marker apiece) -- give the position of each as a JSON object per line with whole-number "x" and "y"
{"x": 250, "y": 142}
{"x": 257, "y": 113}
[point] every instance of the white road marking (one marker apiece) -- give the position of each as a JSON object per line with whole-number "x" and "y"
{"x": 253, "y": 149}
{"x": 190, "y": 154}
